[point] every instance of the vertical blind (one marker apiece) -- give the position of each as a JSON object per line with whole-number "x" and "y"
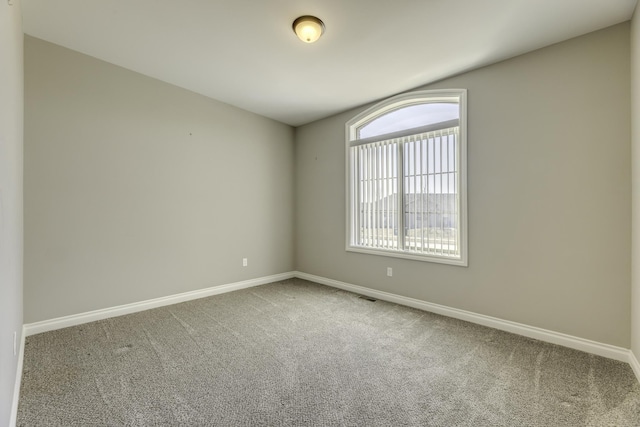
{"x": 419, "y": 213}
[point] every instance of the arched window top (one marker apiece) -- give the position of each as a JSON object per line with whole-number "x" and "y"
{"x": 408, "y": 113}
{"x": 409, "y": 117}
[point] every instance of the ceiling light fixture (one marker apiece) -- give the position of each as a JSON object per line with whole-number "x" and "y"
{"x": 308, "y": 28}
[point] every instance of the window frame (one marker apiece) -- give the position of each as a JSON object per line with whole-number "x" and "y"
{"x": 351, "y": 138}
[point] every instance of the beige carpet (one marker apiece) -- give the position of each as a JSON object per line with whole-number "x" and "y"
{"x": 296, "y": 353}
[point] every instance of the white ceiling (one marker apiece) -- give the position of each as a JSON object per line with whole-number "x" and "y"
{"x": 244, "y": 52}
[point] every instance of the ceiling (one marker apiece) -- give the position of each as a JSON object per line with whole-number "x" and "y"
{"x": 244, "y": 52}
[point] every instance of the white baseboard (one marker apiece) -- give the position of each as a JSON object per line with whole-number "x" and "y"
{"x": 577, "y": 343}
{"x": 92, "y": 316}
{"x": 18, "y": 382}
{"x": 600, "y": 349}
{"x": 633, "y": 361}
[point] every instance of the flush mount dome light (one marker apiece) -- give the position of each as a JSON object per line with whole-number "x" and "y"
{"x": 308, "y": 28}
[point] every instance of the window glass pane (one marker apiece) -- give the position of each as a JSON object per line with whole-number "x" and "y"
{"x": 376, "y": 185}
{"x": 430, "y": 198}
{"x": 410, "y": 117}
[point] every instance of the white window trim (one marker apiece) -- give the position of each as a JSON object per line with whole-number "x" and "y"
{"x": 384, "y": 107}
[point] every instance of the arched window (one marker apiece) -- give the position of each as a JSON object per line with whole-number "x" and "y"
{"x": 406, "y": 178}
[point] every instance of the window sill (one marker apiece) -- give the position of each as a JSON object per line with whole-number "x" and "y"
{"x": 460, "y": 262}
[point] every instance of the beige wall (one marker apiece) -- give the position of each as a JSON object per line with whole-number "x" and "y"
{"x": 11, "y": 116}
{"x": 635, "y": 159}
{"x": 549, "y": 195}
{"x": 136, "y": 189}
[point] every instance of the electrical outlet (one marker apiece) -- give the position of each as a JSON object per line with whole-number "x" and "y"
{"x": 244, "y": 262}
{"x": 389, "y": 271}
{"x": 15, "y": 343}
